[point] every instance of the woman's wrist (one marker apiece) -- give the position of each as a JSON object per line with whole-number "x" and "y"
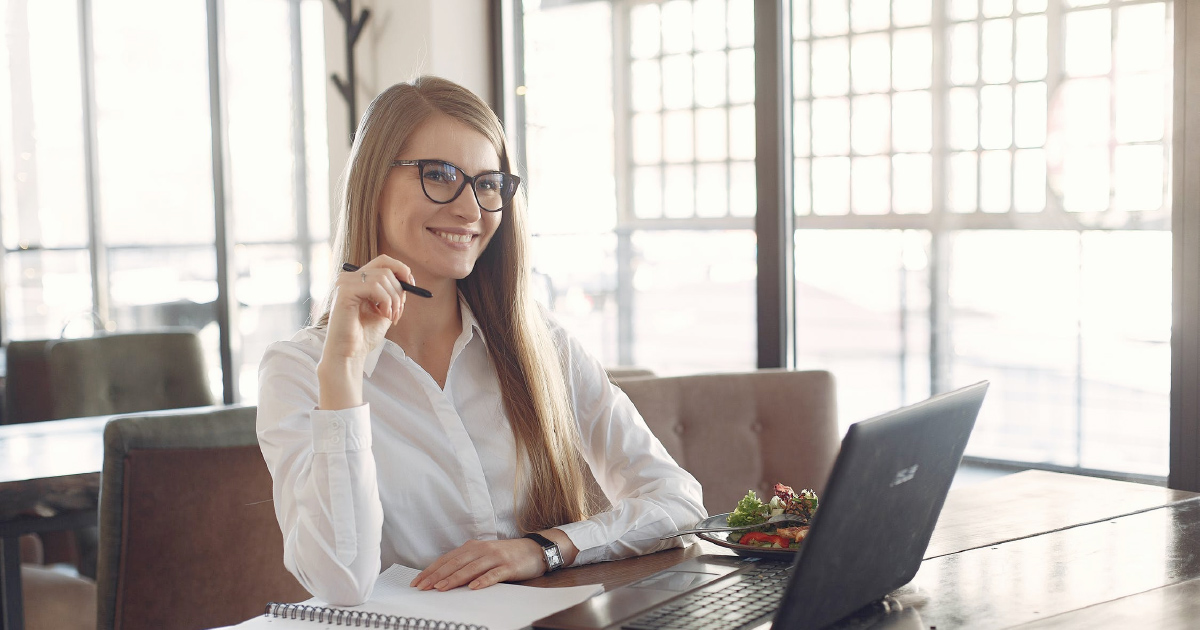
{"x": 566, "y": 548}
{"x": 340, "y": 383}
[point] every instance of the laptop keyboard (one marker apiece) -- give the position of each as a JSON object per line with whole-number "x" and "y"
{"x": 750, "y": 598}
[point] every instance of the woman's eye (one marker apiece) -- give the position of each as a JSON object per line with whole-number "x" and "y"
{"x": 440, "y": 174}
{"x": 489, "y": 185}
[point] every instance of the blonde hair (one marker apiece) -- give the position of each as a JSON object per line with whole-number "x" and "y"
{"x": 528, "y": 368}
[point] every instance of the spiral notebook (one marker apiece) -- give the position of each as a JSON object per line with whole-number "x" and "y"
{"x": 395, "y": 605}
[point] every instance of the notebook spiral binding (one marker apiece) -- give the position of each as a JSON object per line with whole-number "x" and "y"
{"x": 360, "y": 618}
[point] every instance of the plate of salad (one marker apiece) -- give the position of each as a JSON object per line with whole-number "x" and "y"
{"x": 767, "y": 541}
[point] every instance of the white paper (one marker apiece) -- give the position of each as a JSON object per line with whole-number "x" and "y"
{"x": 498, "y": 607}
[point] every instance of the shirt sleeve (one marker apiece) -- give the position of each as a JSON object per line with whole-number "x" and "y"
{"x": 651, "y": 495}
{"x": 324, "y": 479}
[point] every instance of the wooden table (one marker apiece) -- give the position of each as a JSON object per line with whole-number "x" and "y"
{"x": 1033, "y": 550}
{"x": 49, "y": 480}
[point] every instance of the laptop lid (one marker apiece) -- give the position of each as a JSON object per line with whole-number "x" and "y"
{"x": 879, "y": 508}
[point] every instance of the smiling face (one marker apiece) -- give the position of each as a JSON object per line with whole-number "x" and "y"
{"x": 439, "y": 242}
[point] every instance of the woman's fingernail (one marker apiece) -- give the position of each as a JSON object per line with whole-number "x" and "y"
{"x": 440, "y": 585}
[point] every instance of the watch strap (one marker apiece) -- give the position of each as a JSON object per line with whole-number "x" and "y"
{"x": 550, "y": 551}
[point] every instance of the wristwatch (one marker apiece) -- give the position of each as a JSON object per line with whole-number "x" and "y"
{"x": 554, "y": 559}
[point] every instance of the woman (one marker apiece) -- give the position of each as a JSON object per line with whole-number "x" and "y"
{"x": 465, "y": 433}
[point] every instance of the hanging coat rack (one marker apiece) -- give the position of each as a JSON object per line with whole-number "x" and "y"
{"x": 354, "y": 28}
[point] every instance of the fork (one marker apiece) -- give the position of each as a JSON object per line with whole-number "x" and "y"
{"x": 774, "y": 520}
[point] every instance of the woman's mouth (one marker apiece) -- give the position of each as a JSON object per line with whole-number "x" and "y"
{"x": 454, "y": 237}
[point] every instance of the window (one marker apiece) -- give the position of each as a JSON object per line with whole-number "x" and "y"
{"x": 980, "y": 191}
{"x": 107, "y": 202}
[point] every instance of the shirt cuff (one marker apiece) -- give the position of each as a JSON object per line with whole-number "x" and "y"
{"x": 585, "y": 535}
{"x": 341, "y": 430}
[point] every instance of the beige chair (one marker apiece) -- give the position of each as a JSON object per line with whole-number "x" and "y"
{"x": 27, "y": 382}
{"x": 188, "y": 536}
{"x": 743, "y": 431}
{"x": 126, "y": 373}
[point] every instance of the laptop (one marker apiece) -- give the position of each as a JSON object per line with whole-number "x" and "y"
{"x": 867, "y": 539}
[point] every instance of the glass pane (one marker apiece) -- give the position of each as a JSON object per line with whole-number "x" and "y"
{"x": 830, "y": 17}
{"x": 913, "y": 176}
{"x": 644, "y": 31}
{"x": 678, "y": 136}
{"x": 869, "y": 185}
{"x": 1125, "y": 331}
{"x": 912, "y": 120}
{"x": 800, "y": 129}
{"x": 1141, "y": 107}
{"x": 800, "y": 23}
{"x": 1015, "y": 324}
{"x": 831, "y": 185}
{"x": 316, "y": 133}
{"x": 647, "y": 192}
{"x": 45, "y": 292}
{"x": 911, "y": 12}
{"x": 862, "y": 312}
{"x": 913, "y": 50}
{"x": 997, "y": 8}
{"x": 800, "y": 67}
{"x": 1139, "y": 177}
{"x": 831, "y": 75}
{"x": 154, "y": 146}
{"x": 1031, "y": 55}
{"x": 802, "y": 193}
{"x": 997, "y": 64}
{"x": 646, "y": 85}
{"x": 995, "y": 184}
{"x": 42, "y": 192}
{"x": 964, "y": 54}
{"x": 831, "y": 126}
{"x": 677, "y": 81}
{"x": 1089, "y": 42}
{"x": 1031, "y": 115}
{"x": 679, "y": 194}
{"x": 647, "y": 138}
{"x": 1085, "y": 179}
{"x": 678, "y": 273}
{"x": 741, "y": 132}
{"x": 271, "y": 305}
{"x": 1029, "y": 180}
{"x": 741, "y": 75}
{"x": 576, "y": 276}
{"x": 742, "y": 190}
{"x": 870, "y": 60}
{"x": 964, "y": 116}
{"x": 258, "y": 51}
{"x": 676, "y": 26}
{"x": 1031, "y": 6}
{"x": 963, "y": 9}
{"x": 1143, "y": 38}
{"x": 963, "y": 170}
{"x": 712, "y": 192}
{"x": 741, "y": 23}
{"x": 710, "y": 79}
{"x": 711, "y": 134}
{"x": 868, "y": 15}
{"x": 870, "y": 125}
{"x": 995, "y": 113}
{"x": 709, "y": 24}
{"x": 1085, "y": 111}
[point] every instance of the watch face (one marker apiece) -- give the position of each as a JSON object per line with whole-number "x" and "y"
{"x": 553, "y": 558}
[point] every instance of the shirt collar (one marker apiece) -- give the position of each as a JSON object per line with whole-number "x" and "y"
{"x": 470, "y": 329}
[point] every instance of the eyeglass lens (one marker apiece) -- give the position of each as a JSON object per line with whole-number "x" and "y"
{"x": 443, "y": 182}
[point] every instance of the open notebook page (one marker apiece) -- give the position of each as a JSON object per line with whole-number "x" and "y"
{"x": 498, "y": 607}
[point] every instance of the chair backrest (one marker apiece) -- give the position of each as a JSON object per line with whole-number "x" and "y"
{"x": 27, "y": 395}
{"x": 188, "y": 536}
{"x": 742, "y": 431}
{"x": 127, "y": 373}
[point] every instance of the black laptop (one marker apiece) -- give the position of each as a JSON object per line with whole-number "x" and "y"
{"x": 867, "y": 539}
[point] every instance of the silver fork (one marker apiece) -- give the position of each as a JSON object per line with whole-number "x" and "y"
{"x": 774, "y": 520}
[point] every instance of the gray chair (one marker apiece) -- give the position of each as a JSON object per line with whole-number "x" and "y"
{"x": 188, "y": 536}
{"x": 27, "y": 382}
{"x": 742, "y": 431}
{"x": 126, "y": 373}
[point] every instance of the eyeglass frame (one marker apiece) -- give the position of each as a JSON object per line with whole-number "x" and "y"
{"x": 467, "y": 179}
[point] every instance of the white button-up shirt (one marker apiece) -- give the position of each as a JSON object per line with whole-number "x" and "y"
{"x": 419, "y": 470}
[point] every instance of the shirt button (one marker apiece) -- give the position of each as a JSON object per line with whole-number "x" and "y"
{"x": 334, "y": 440}
{"x": 335, "y": 424}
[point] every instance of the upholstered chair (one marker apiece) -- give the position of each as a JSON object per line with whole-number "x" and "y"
{"x": 743, "y": 431}
{"x": 188, "y": 536}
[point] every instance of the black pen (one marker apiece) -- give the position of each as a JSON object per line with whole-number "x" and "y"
{"x": 411, "y": 288}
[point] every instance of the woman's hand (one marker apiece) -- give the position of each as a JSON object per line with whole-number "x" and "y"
{"x": 482, "y": 563}
{"x": 366, "y": 303}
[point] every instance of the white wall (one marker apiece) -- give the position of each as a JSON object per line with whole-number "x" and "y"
{"x": 403, "y": 39}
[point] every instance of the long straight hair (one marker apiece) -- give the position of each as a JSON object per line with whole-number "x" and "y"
{"x": 529, "y": 369}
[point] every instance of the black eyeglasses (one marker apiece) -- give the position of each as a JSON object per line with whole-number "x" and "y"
{"x": 443, "y": 182}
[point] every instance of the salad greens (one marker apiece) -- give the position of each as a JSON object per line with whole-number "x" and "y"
{"x": 749, "y": 511}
